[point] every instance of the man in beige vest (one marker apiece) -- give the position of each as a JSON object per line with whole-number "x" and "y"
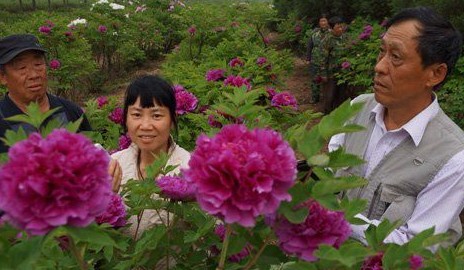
{"x": 414, "y": 153}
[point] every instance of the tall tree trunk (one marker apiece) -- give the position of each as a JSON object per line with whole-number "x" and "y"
{"x": 34, "y": 4}
{"x": 21, "y": 5}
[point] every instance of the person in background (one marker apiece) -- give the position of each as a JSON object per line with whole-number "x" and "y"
{"x": 332, "y": 47}
{"x": 413, "y": 150}
{"x": 315, "y": 57}
{"x": 149, "y": 119}
{"x": 23, "y": 71}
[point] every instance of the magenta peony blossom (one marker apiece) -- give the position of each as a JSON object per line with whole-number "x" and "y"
{"x": 416, "y": 262}
{"x": 346, "y": 65}
{"x": 284, "y": 99}
{"x": 236, "y": 62}
{"x": 192, "y": 29}
{"x": 124, "y": 142}
{"x": 266, "y": 40}
{"x": 178, "y": 88}
{"x": 237, "y": 81}
{"x": 384, "y": 23}
{"x": 102, "y": 101}
{"x": 185, "y": 102}
{"x": 373, "y": 262}
{"x": 102, "y": 29}
{"x": 213, "y": 123}
{"x": 115, "y": 213}
{"x": 176, "y": 188}
{"x": 45, "y": 29}
{"x": 322, "y": 226}
{"x": 298, "y": 28}
{"x": 54, "y": 64}
{"x": 261, "y": 61}
{"x": 241, "y": 174}
{"x": 366, "y": 34}
{"x": 271, "y": 92}
{"x": 215, "y": 75}
{"x": 68, "y": 33}
{"x": 58, "y": 180}
{"x": 117, "y": 116}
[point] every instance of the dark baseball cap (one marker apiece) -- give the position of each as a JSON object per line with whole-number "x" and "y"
{"x": 13, "y": 45}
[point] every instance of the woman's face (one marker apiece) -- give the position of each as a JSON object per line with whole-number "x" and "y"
{"x": 149, "y": 128}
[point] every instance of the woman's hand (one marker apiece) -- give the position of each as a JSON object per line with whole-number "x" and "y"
{"x": 114, "y": 169}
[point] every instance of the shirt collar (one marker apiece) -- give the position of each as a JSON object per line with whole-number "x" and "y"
{"x": 416, "y": 126}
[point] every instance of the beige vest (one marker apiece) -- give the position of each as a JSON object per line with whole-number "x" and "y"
{"x": 402, "y": 174}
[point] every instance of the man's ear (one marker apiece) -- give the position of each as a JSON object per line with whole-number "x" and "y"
{"x": 437, "y": 74}
{"x": 3, "y": 80}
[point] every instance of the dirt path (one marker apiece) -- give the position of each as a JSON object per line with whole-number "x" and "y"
{"x": 298, "y": 84}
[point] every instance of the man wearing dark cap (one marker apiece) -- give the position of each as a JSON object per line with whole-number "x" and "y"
{"x": 23, "y": 71}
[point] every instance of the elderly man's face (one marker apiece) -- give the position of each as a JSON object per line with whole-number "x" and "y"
{"x": 25, "y": 77}
{"x": 401, "y": 81}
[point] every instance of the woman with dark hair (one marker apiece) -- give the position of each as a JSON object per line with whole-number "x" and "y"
{"x": 149, "y": 118}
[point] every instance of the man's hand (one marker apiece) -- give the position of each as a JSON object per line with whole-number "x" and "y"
{"x": 114, "y": 169}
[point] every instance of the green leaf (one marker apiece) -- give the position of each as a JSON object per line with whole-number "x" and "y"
{"x": 321, "y": 160}
{"x": 310, "y": 143}
{"x": 26, "y": 253}
{"x": 298, "y": 266}
{"x": 334, "y": 186}
{"x": 334, "y": 123}
{"x": 74, "y": 126}
{"x": 236, "y": 244}
{"x": 294, "y": 216}
{"x": 12, "y": 137}
{"x": 339, "y": 158}
{"x": 376, "y": 234}
{"x": 33, "y": 115}
{"x": 351, "y": 208}
{"x": 348, "y": 254}
{"x": 91, "y": 234}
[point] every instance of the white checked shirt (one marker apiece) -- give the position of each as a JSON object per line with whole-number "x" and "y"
{"x": 439, "y": 202}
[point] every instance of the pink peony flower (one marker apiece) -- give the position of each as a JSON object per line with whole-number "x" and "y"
{"x": 373, "y": 262}
{"x": 117, "y": 116}
{"x": 54, "y": 64}
{"x": 284, "y": 99}
{"x": 241, "y": 174}
{"x": 141, "y": 8}
{"x": 102, "y": 29}
{"x": 124, "y": 142}
{"x": 384, "y": 23}
{"x": 213, "y": 123}
{"x": 220, "y": 231}
{"x": 322, "y": 226}
{"x": 416, "y": 262}
{"x": 178, "y": 88}
{"x": 115, "y": 213}
{"x": 366, "y": 34}
{"x": 102, "y": 101}
{"x": 192, "y": 29}
{"x": 68, "y": 33}
{"x": 346, "y": 65}
{"x": 215, "y": 75}
{"x": 58, "y": 180}
{"x": 44, "y": 29}
{"x": 176, "y": 188}
{"x": 298, "y": 28}
{"x": 237, "y": 81}
{"x": 261, "y": 61}
{"x": 266, "y": 40}
{"x": 271, "y": 92}
{"x": 185, "y": 102}
{"x": 236, "y": 62}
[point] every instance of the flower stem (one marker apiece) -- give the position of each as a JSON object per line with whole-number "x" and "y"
{"x": 77, "y": 255}
{"x": 260, "y": 251}
{"x": 225, "y": 245}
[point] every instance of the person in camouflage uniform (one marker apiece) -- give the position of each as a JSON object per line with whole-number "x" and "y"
{"x": 332, "y": 49}
{"x": 315, "y": 57}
